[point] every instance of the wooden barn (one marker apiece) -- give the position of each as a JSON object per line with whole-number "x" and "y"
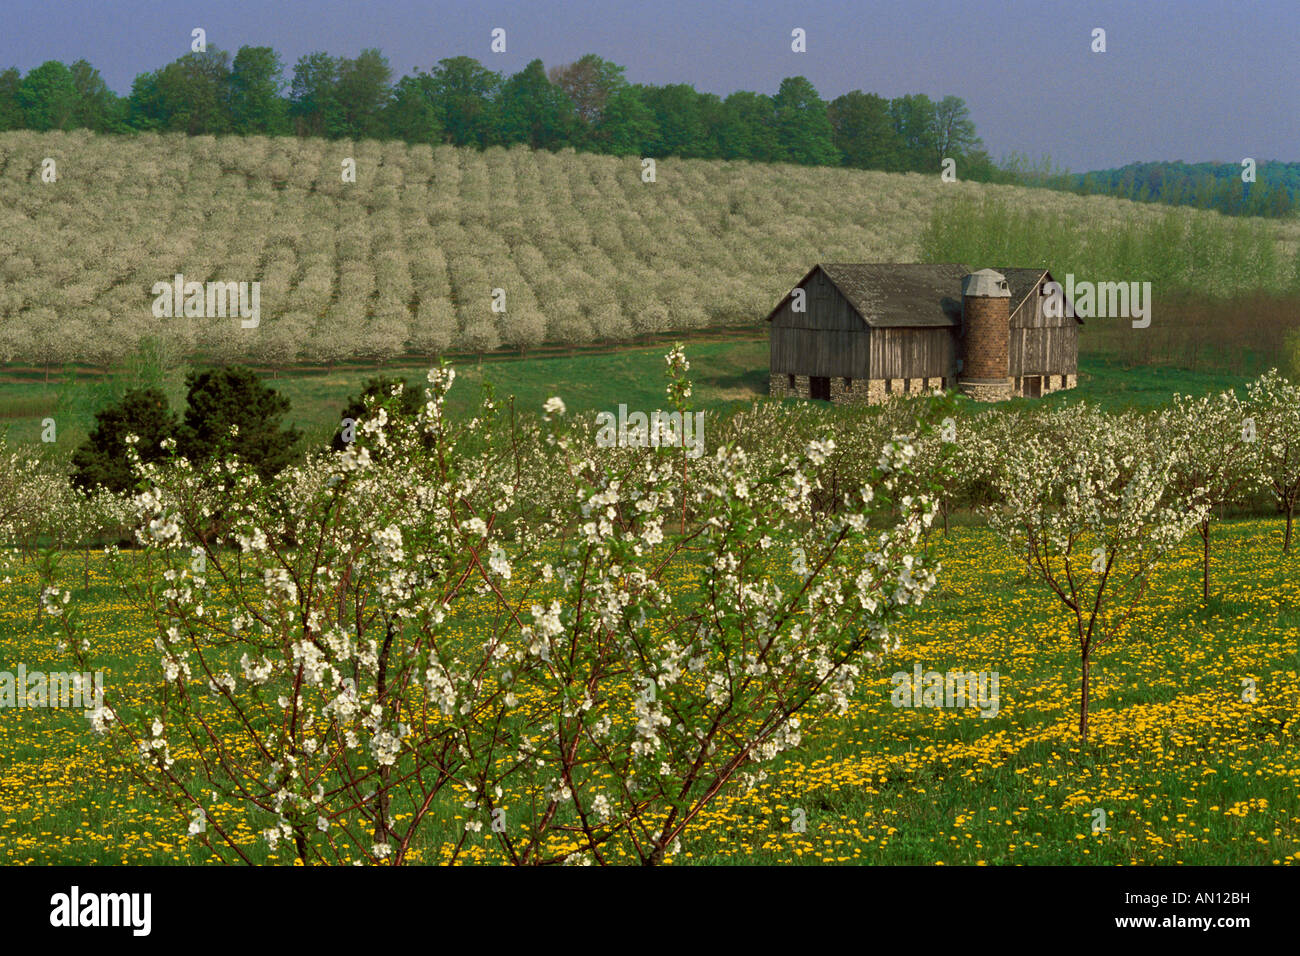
{"x": 860, "y": 332}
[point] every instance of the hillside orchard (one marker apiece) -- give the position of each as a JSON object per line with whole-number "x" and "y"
{"x": 437, "y": 249}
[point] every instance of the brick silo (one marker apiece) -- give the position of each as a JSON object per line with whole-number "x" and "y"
{"x": 986, "y": 321}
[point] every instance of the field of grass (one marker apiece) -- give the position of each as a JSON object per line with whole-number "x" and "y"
{"x": 727, "y": 372}
{"x": 1185, "y": 770}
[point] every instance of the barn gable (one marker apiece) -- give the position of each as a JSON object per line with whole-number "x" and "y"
{"x": 1027, "y": 312}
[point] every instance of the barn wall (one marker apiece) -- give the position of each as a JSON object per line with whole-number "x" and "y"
{"x": 1044, "y": 351}
{"x": 829, "y": 339}
{"x": 827, "y": 353}
{"x": 1042, "y": 344}
{"x": 827, "y": 309}
{"x": 913, "y": 353}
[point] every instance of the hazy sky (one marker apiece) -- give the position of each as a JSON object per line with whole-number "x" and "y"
{"x": 1181, "y": 79}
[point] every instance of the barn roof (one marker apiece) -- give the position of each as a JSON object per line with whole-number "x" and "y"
{"x": 1024, "y": 281}
{"x": 1021, "y": 282}
{"x": 910, "y": 295}
{"x": 890, "y": 294}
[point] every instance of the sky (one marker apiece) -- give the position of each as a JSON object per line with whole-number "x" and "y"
{"x": 1192, "y": 80}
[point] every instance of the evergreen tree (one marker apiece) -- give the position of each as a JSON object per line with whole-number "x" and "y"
{"x": 101, "y": 459}
{"x": 229, "y": 398}
{"x": 377, "y": 391}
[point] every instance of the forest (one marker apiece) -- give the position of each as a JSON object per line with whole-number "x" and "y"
{"x": 589, "y": 106}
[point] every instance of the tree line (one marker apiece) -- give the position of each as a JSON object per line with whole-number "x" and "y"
{"x": 588, "y": 105}
{"x": 1272, "y": 192}
{"x": 1205, "y": 185}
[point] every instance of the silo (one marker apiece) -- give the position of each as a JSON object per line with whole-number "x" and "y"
{"x": 986, "y": 320}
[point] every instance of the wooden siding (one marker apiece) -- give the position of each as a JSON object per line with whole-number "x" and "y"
{"x": 1050, "y": 351}
{"x": 1031, "y": 314}
{"x": 829, "y": 339}
{"x": 826, "y": 309}
{"x": 913, "y": 353}
{"x": 834, "y": 353}
{"x": 1042, "y": 344}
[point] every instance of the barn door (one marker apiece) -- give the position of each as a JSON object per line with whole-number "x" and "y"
{"x": 819, "y": 387}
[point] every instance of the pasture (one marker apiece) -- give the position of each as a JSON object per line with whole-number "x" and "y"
{"x": 729, "y": 372}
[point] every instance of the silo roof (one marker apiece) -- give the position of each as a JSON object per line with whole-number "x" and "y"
{"x": 986, "y": 284}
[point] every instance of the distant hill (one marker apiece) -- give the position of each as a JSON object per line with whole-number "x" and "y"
{"x": 1275, "y": 192}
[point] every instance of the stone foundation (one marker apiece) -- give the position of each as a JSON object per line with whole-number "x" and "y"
{"x": 856, "y": 391}
{"x": 1057, "y": 383}
{"x": 780, "y": 386}
{"x": 987, "y": 389}
{"x": 1050, "y": 384}
{"x": 876, "y": 390}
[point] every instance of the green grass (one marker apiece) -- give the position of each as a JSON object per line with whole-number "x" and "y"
{"x": 1115, "y": 385}
{"x": 1173, "y": 749}
{"x": 727, "y": 373}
